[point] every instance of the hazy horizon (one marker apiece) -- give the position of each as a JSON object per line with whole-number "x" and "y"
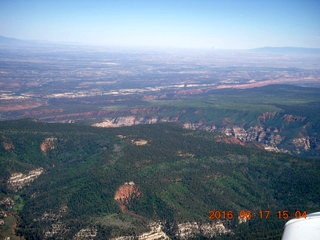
{"x": 204, "y": 24}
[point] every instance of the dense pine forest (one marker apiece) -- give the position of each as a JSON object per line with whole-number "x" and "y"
{"x": 181, "y": 175}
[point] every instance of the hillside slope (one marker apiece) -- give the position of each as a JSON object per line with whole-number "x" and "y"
{"x": 63, "y": 181}
{"x": 281, "y": 118}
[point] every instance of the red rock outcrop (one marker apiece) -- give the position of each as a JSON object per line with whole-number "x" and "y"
{"x": 126, "y": 193}
{"x": 48, "y": 144}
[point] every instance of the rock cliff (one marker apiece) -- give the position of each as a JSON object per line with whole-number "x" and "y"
{"x": 187, "y": 230}
{"x": 272, "y": 130}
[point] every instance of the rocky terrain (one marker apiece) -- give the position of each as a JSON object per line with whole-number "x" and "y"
{"x": 271, "y": 138}
{"x": 190, "y": 230}
{"x": 126, "y": 193}
{"x": 86, "y": 234}
{"x": 147, "y": 181}
{"x": 48, "y": 144}
{"x": 187, "y": 230}
{"x": 156, "y": 233}
{"x": 19, "y": 180}
{"x": 131, "y": 120}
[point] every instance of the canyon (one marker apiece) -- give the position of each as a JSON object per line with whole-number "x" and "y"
{"x": 267, "y": 136}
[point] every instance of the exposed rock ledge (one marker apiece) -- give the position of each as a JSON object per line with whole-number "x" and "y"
{"x": 192, "y": 229}
{"x": 187, "y": 230}
{"x": 131, "y": 120}
{"x": 269, "y": 137}
{"x": 156, "y": 233}
{"x": 19, "y": 180}
{"x": 86, "y": 234}
{"x": 139, "y": 142}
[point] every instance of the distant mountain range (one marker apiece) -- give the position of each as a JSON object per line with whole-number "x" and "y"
{"x": 8, "y": 41}
{"x": 296, "y": 50}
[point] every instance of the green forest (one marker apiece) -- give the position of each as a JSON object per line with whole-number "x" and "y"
{"x": 182, "y": 175}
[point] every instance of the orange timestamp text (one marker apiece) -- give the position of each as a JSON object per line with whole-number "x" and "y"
{"x": 262, "y": 214}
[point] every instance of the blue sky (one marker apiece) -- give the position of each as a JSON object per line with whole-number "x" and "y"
{"x": 226, "y": 24}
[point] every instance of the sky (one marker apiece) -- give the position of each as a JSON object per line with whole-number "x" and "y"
{"x": 219, "y": 24}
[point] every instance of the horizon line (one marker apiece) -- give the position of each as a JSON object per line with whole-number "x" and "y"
{"x": 155, "y": 47}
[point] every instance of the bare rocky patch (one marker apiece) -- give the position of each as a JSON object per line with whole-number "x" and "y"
{"x": 48, "y": 144}
{"x": 56, "y": 226}
{"x": 8, "y": 145}
{"x": 139, "y": 142}
{"x": 86, "y": 234}
{"x": 126, "y": 193}
{"x": 156, "y": 233}
{"x": 186, "y": 230}
{"x": 19, "y": 180}
{"x": 301, "y": 144}
{"x": 185, "y": 154}
{"x": 6, "y": 202}
{"x": 189, "y": 230}
{"x": 292, "y": 118}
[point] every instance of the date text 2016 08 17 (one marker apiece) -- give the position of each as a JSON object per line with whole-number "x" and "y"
{"x": 262, "y": 214}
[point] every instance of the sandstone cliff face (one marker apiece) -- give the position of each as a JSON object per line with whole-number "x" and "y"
{"x": 19, "y": 180}
{"x": 302, "y": 143}
{"x": 269, "y": 136}
{"x": 187, "y": 230}
{"x": 190, "y": 230}
{"x": 254, "y": 134}
{"x": 259, "y": 134}
{"x": 156, "y": 232}
{"x": 131, "y": 120}
{"x": 272, "y": 138}
{"x": 199, "y": 126}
